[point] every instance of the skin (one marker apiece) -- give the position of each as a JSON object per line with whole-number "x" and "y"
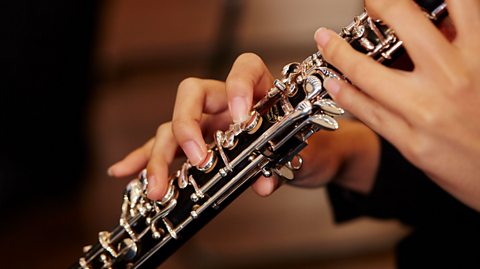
{"x": 428, "y": 113}
{"x": 203, "y": 106}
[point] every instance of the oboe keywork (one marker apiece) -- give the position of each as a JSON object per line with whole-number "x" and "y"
{"x": 267, "y": 143}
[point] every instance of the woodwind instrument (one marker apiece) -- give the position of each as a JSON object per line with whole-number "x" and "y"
{"x": 267, "y": 143}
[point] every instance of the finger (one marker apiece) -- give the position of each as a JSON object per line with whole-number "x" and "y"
{"x": 194, "y": 98}
{"x": 384, "y": 122}
{"x": 161, "y": 156}
{"x": 264, "y": 186}
{"x": 421, "y": 39}
{"x": 133, "y": 162}
{"x": 465, "y": 15}
{"x": 359, "y": 68}
{"x": 213, "y": 122}
{"x": 248, "y": 80}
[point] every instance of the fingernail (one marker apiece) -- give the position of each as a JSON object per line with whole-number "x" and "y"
{"x": 152, "y": 181}
{"x": 193, "y": 152}
{"x": 332, "y": 85}
{"x": 152, "y": 194}
{"x": 322, "y": 37}
{"x": 239, "y": 109}
{"x": 152, "y": 188}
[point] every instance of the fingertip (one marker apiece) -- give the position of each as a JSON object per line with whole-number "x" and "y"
{"x": 157, "y": 178}
{"x": 156, "y": 193}
{"x": 239, "y": 108}
{"x": 343, "y": 93}
{"x": 154, "y": 189}
{"x": 332, "y": 86}
{"x": 194, "y": 152}
{"x": 318, "y": 32}
{"x": 322, "y": 37}
{"x": 117, "y": 170}
{"x": 265, "y": 186}
{"x": 110, "y": 171}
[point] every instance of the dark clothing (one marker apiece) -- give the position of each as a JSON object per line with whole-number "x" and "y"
{"x": 444, "y": 229}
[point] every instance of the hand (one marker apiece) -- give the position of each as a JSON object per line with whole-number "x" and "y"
{"x": 430, "y": 114}
{"x": 203, "y": 106}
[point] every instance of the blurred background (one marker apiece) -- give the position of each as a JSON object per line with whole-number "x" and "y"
{"x": 115, "y": 67}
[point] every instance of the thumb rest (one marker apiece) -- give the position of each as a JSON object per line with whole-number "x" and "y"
{"x": 267, "y": 143}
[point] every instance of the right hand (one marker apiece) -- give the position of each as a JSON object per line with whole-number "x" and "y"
{"x": 202, "y": 106}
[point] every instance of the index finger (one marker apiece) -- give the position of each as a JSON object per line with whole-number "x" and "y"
{"x": 248, "y": 79}
{"x": 422, "y": 40}
{"x": 195, "y": 97}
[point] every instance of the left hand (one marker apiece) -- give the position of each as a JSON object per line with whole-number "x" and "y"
{"x": 348, "y": 156}
{"x": 431, "y": 114}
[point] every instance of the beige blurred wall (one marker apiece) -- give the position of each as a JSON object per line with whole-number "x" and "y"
{"x": 136, "y": 31}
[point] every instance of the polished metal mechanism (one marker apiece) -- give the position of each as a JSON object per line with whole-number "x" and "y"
{"x": 208, "y": 163}
{"x": 267, "y": 143}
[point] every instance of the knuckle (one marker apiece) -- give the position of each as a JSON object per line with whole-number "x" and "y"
{"x": 419, "y": 150}
{"x": 252, "y": 61}
{"x": 332, "y": 51}
{"x": 343, "y": 57}
{"x": 427, "y": 117}
{"x": 384, "y": 7}
{"x": 250, "y": 57}
{"x": 374, "y": 115}
{"x": 188, "y": 84}
{"x": 236, "y": 83}
{"x": 356, "y": 68}
{"x": 461, "y": 82}
{"x": 164, "y": 128}
{"x": 181, "y": 128}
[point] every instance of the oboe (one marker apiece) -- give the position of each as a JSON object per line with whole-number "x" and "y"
{"x": 267, "y": 143}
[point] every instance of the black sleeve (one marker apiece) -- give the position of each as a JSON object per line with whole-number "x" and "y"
{"x": 403, "y": 192}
